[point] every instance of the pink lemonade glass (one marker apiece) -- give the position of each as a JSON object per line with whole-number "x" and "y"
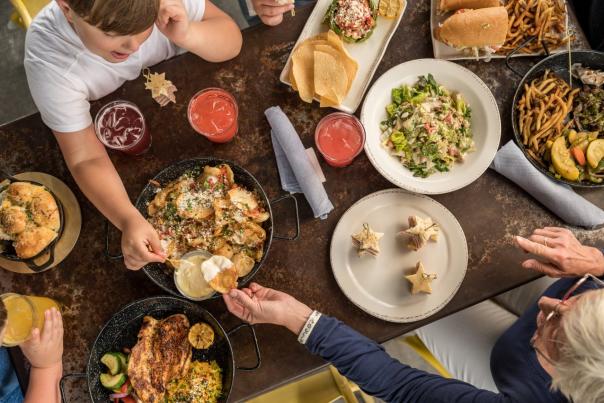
{"x": 340, "y": 138}
{"x": 213, "y": 113}
{"x": 120, "y": 125}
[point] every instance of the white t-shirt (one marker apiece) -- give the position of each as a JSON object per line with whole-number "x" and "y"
{"x": 63, "y": 75}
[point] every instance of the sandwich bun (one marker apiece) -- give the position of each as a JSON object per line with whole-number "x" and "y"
{"x": 474, "y": 28}
{"x": 451, "y": 5}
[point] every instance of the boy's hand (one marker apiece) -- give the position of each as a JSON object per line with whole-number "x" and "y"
{"x": 270, "y": 11}
{"x": 140, "y": 243}
{"x": 173, "y": 21}
{"x": 45, "y": 349}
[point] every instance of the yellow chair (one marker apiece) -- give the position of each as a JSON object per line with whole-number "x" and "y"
{"x": 329, "y": 386}
{"x": 324, "y": 387}
{"x": 420, "y": 349}
{"x": 26, "y": 10}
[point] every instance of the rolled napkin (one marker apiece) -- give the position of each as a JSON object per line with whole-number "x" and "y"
{"x": 291, "y": 148}
{"x": 560, "y": 199}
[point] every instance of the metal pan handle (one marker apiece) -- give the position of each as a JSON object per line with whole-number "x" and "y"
{"x": 280, "y": 199}
{"x": 62, "y": 383}
{"x": 256, "y": 347}
{"x": 528, "y": 40}
{"x": 5, "y": 175}
{"x": 33, "y": 266}
{"x": 107, "y": 242}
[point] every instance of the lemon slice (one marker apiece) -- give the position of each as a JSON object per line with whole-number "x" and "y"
{"x": 595, "y": 153}
{"x": 201, "y": 336}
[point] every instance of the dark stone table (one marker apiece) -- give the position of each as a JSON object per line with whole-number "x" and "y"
{"x": 491, "y": 210}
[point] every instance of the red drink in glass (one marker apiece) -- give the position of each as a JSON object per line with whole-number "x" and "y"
{"x": 339, "y": 138}
{"x": 120, "y": 125}
{"x": 213, "y": 113}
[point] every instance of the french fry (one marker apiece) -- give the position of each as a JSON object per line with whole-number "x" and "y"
{"x": 545, "y": 19}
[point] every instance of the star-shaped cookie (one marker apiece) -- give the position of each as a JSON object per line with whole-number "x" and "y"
{"x": 367, "y": 241}
{"x": 421, "y": 281}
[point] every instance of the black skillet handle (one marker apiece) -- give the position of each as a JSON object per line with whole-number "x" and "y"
{"x": 256, "y": 347}
{"x": 292, "y": 197}
{"x": 5, "y": 175}
{"x": 33, "y": 266}
{"x": 66, "y": 377}
{"x": 107, "y": 242}
{"x": 508, "y": 58}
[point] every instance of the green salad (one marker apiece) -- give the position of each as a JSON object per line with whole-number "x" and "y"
{"x": 427, "y": 127}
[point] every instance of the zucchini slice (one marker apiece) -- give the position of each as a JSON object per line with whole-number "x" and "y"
{"x": 112, "y": 382}
{"x": 112, "y": 362}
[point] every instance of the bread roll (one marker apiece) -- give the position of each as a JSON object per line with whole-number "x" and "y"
{"x": 469, "y": 28}
{"x": 451, "y": 5}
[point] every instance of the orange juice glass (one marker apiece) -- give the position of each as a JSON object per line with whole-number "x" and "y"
{"x": 24, "y": 313}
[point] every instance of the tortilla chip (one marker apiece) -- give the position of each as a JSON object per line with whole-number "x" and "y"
{"x": 329, "y": 76}
{"x": 225, "y": 281}
{"x": 390, "y": 8}
{"x": 292, "y": 80}
{"x": 303, "y": 70}
{"x": 326, "y": 102}
{"x": 349, "y": 65}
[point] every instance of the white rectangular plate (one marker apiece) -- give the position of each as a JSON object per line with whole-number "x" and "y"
{"x": 442, "y": 51}
{"x": 368, "y": 54}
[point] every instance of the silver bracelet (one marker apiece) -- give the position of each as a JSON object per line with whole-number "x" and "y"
{"x": 308, "y": 327}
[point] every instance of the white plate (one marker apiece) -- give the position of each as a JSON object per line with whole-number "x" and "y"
{"x": 368, "y": 54}
{"x": 442, "y": 51}
{"x": 486, "y": 125}
{"x": 378, "y": 285}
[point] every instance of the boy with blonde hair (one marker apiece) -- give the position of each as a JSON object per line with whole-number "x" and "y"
{"x": 82, "y": 50}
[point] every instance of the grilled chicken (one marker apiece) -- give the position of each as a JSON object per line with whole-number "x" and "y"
{"x": 162, "y": 353}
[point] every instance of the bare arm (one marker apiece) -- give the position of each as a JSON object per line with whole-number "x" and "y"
{"x": 215, "y": 38}
{"x": 44, "y": 351}
{"x": 96, "y": 176}
{"x": 44, "y": 385}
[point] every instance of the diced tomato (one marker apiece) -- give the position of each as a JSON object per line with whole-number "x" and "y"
{"x": 578, "y": 155}
{"x": 124, "y": 388}
{"x": 128, "y": 399}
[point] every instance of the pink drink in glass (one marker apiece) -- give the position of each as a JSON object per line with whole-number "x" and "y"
{"x": 213, "y": 113}
{"x": 339, "y": 138}
{"x": 120, "y": 125}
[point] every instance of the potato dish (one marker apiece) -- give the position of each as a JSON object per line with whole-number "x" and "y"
{"x": 29, "y": 217}
{"x": 207, "y": 210}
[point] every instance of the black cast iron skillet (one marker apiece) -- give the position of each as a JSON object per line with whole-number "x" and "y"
{"x": 7, "y": 250}
{"x": 122, "y": 329}
{"x": 558, "y": 64}
{"x": 160, "y": 273}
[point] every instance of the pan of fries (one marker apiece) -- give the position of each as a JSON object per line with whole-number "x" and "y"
{"x": 544, "y": 124}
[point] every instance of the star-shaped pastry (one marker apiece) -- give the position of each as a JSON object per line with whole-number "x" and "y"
{"x": 367, "y": 241}
{"x": 162, "y": 90}
{"x": 420, "y": 231}
{"x": 421, "y": 281}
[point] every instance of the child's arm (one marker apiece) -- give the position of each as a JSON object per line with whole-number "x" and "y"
{"x": 99, "y": 181}
{"x": 44, "y": 351}
{"x": 215, "y": 38}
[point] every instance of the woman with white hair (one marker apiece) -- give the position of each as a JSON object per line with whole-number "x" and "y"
{"x": 554, "y": 352}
